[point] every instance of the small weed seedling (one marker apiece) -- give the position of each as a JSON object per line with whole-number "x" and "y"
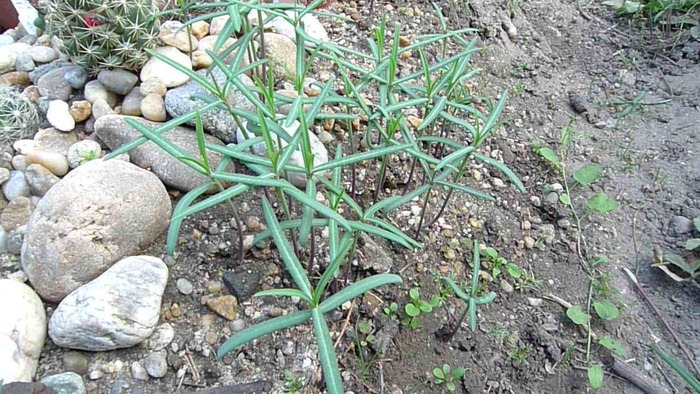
{"x": 293, "y": 383}
{"x": 471, "y": 299}
{"x": 365, "y": 328}
{"x": 636, "y": 104}
{"x": 363, "y": 337}
{"x": 417, "y": 307}
{"x": 391, "y": 311}
{"x": 683, "y": 268}
{"x": 448, "y": 377}
{"x": 499, "y": 263}
{"x": 519, "y": 355}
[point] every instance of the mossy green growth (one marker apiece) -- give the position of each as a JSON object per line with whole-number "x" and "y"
{"x": 99, "y": 34}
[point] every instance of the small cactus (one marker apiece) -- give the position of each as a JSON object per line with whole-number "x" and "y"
{"x": 104, "y": 34}
{"x": 18, "y": 117}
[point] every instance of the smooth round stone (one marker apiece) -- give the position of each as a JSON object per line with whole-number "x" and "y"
{"x": 132, "y": 103}
{"x": 22, "y": 331}
{"x": 24, "y": 62}
{"x": 94, "y": 91}
{"x": 173, "y": 34}
{"x": 59, "y": 115}
{"x": 6, "y": 39}
{"x": 40, "y": 179}
{"x": 153, "y": 85}
{"x": 76, "y": 77}
{"x": 55, "y": 141}
{"x": 156, "y": 364}
{"x": 138, "y": 371}
{"x": 54, "y": 162}
{"x": 184, "y": 286}
{"x": 31, "y": 93}
{"x": 75, "y": 362}
{"x": 16, "y": 186}
{"x": 82, "y": 152}
{"x": 59, "y": 257}
{"x": 23, "y": 147}
{"x": 101, "y": 108}
{"x": 80, "y": 110}
{"x": 4, "y": 175}
{"x": 217, "y": 24}
{"x": 118, "y": 81}
{"x": 67, "y": 382}
{"x": 15, "y": 78}
{"x": 118, "y": 309}
{"x": 16, "y": 214}
{"x": 161, "y": 337}
{"x": 54, "y": 86}
{"x": 170, "y": 76}
{"x": 14, "y": 243}
{"x": 19, "y": 162}
{"x": 42, "y": 54}
{"x": 3, "y": 241}
{"x": 153, "y": 108}
{"x": 199, "y": 29}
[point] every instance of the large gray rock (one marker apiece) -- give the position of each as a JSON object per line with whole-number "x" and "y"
{"x": 218, "y": 122}
{"x": 96, "y": 215}
{"x": 115, "y": 132}
{"x": 22, "y": 331}
{"x": 117, "y": 310}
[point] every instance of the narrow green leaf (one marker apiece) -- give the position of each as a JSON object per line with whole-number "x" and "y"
{"x": 282, "y": 293}
{"x": 315, "y": 205}
{"x": 502, "y": 168}
{"x": 332, "y": 268}
{"x": 307, "y": 215}
{"x": 456, "y": 289}
{"x": 264, "y": 328}
{"x": 358, "y": 157}
{"x": 288, "y": 225}
{"x": 434, "y": 113}
{"x": 176, "y": 221}
{"x": 286, "y": 252}
{"x": 455, "y": 156}
{"x": 466, "y": 190}
{"x": 326, "y": 354}
{"x": 357, "y": 289}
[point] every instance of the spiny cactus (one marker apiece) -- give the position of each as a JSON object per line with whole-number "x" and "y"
{"x": 102, "y": 34}
{"x": 18, "y": 117}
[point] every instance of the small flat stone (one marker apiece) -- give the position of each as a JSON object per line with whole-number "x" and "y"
{"x": 153, "y": 85}
{"x": 170, "y": 76}
{"x": 117, "y": 81}
{"x": 132, "y": 103}
{"x": 94, "y": 91}
{"x": 156, "y": 364}
{"x": 67, "y": 382}
{"x": 224, "y": 306}
{"x": 153, "y": 108}
{"x": 55, "y": 141}
{"x": 59, "y": 116}
{"x": 101, "y": 108}
{"x": 83, "y": 151}
{"x": 16, "y": 214}
{"x": 76, "y": 77}
{"x": 40, "y": 179}
{"x": 80, "y": 110}
{"x": 184, "y": 286}
{"x": 42, "y": 54}
{"x": 54, "y": 86}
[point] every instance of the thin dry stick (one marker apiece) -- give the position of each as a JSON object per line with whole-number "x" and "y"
{"x": 658, "y": 314}
{"x": 345, "y": 326}
{"x": 190, "y": 362}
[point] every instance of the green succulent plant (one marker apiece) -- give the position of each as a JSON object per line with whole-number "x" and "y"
{"x": 99, "y": 34}
{"x": 18, "y": 117}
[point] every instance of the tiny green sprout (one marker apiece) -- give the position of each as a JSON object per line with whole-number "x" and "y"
{"x": 365, "y": 328}
{"x": 293, "y": 383}
{"x": 471, "y": 299}
{"x": 391, "y": 311}
{"x": 416, "y": 307}
{"x": 499, "y": 263}
{"x": 447, "y": 376}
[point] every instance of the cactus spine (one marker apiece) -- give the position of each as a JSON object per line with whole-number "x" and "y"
{"x": 100, "y": 34}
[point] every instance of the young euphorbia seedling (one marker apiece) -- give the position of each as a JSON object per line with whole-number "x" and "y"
{"x": 471, "y": 299}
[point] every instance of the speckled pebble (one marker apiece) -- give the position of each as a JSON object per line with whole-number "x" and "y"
{"x": 184, "y": 286}
{"x": 83, "y": 151}
{"x": 156, "y": 364}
